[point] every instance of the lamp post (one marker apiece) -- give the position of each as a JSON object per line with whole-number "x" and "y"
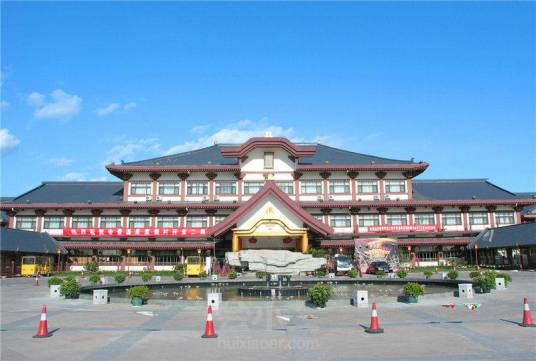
{"x": 476, "y": 258}
{"x": 59, "y": 260}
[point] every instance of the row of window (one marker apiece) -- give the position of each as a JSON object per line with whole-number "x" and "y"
{"x": 336, "y": 220}
{"x": 229, "y": 188}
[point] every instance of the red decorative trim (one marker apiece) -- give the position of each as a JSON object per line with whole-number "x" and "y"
{"x": 402, "y": 242}
{"x": 290, "y": 147}
{"x": 416, "y": 167}
{"x": 137, "y": 245}
{"x": 252, "y": 240}
{"x": 154, "y": 176}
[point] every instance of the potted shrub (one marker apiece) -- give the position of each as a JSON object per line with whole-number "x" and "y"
{"x": 146, "y": 276}
{"x": 452, "y": 274}
{"x": 54, "y": 281}
{"x": 70, "y": 289}
{"x": 138, "y": 295}
{"x": 320, "y": 273}
{"x": 380, "y": 273}
{"x": 352, "y": 273}
{"x": 94, "y": 279}
{"x": 177, "y": 276}
{"x": 120, "y": 277}
{"x": 402, "y": 274}
{"x": 203, "y": 274}
{"x": 484, "y": 283}
{"x": 428, "y": 273}
{"x": 412, "y": 291}
{"x": 232, "y": 274}
{"x": 319, "y": 294}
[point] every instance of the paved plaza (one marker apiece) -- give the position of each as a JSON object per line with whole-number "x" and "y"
{"x": 171, "y": 330}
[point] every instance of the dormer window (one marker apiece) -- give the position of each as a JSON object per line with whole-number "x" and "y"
{"x": 268, "y": 160}
{"x": 140, "y": 188}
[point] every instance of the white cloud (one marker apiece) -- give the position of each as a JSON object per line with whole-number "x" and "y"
{"x": 61, "y": 105}
{"x": 35, "y": 99}
{"x": 60, "y": 162}
{"x": 8, "y": 141}
{"x": 81, "y": 177}
{"x": 235, "y": 133}
{"x": 4, "y": 104}
{"x": 130, "y": 105}
{"x": 125, "y": 149}
{"x": 199, "y": 129}
{"x": 107, "y": 110}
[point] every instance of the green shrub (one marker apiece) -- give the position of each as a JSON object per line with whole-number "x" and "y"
{"x": 319, "y": 294}
{"x": 402, "y": 274}
{"x": 260, "y": 275}
{"x": 352, "y": 273}
{"x": 474, "y": 274}
{"x": 428, "y": 273}
{"x": 54, "y": 281}
{"x": 491, "y": 275}
{"x": 317, "y": 252}
{"x": 120, "y": 277}
{"x": 146, "y": 276}
{"x": 91, "y": 266}
{"x": 139, "y": 291}
{"x": 320, "y": 273}
{"x": 380, "y": 273}
{"x": 94, "y": 278}
{"x": 203, "y": 274}
{"x": 506, "y": 276}
{"x": 69, "y": 288}
{"x": 177, "y": 276}
{"x": 232, "y": 274}
{"x": 179, "y": 267}
{"x": 452, "y": 274}
{"x": 458, "y": 262}
{"x": 485, "y": 281}
{"x": 413, "y": 289}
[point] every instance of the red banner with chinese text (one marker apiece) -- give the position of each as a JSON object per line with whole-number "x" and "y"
{"x": 403, "y": 228}
{"x": 134, "y": 232}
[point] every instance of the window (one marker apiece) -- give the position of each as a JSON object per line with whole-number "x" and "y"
{"x": 452, "y": 219}
{"x": 426, "y": 253}
{"x": 82, "y": 221}
{"x": 396, "y": 219}
{"x": 25, "y": 222}
{"x": 53, "y": 222}
{"x": 340, "y": 220}
{"x": 168, "y": 221}
{"x": 138, "y": 222}
{"x": 478, "y": 218}
{"x": 268, "y": 160}
{"x": 424, "y": 218}
{"x": 196, "y": 221}
{"x": 168, "y": 188}
{"x": 110, "y": 222}
{"x": 252, "y": 187}
{"x": 367, "y": 220}
{"x": 287, "y": 187}
{"x": 367, "y": 186}
{"x": 140, "y": 188}
{"x": 311, "y": 187}
{"x": 218, "y": 218}
{"x": 197, "y": 188}
{"x": 225, "y": 188}
{"x": 505, "y": 217}
{"x": 395, "y": 186}
{"x": 339, "y": 186}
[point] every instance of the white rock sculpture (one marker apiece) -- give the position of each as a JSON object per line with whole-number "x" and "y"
{"x": 275, "y": 261}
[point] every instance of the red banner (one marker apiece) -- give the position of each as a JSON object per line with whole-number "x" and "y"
{"x": 134, "y": 232}
{"x": 403, "y": 228}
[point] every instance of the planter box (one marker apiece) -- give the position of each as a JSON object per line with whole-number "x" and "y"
{"x": 408, "y": 299}
{"x": 72, "y": 297}
{"x": 136, "y": 301}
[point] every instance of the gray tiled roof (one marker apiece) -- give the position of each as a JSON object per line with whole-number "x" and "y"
{"x": 73, "y": 192}
{"x": 212, "y": 155}
{"x": 16, "y": 240}
{"x": 443, "y": 189}
{"x": 508, "y": 236}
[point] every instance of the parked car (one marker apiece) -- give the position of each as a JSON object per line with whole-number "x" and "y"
{"x": 379, "y": 266}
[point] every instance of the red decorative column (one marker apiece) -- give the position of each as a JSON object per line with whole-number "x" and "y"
{"x": 211, "y": 176}
{"x": 182, "y": 214}
{"x": 126, "y": 184}
{"x": 382, "y": 211}
{"x": 68, "y": 213}
{"x": 40, "y": 213}
{"x": 239, "y": 184}
{"x": 326, "y": 212}
{"x": 124, "y": 214}
{"x": 325, "y": 176}
{"x": 96, "y": 215}
{"x": 183, "y": 176}
{"x": 409, "y": 183}
{"x": 153, "y": 212}
{"x": 465, "y": 217}
{"x": 438, "y": 221}
{"x": 297, "y": 175}
{"x": 352, "y": 174}
{"x": 381, "y": 175}
{"x": 210, "y": 214}
{"x": 11, "y": 219}
{"x": 518, "y": 209}
{"x": 154, "y": 184}
{"x": 354, "y": 211}
{"x": 411, "y": 215}
{"x": 491, "y": 215}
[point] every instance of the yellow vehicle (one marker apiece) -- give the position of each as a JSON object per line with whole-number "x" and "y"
{"x": 31, "y": 265}
{"x": 194, "y": 265}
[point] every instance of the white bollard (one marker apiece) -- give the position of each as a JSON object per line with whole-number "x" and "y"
{"x": 214, "y": 300}
{"x": 360, "y": 298}
{"x": 465, "y": 290}
{"x": 214, "y": 277}
{"x": 157, "y": 278}
{"x": 500, "y": 284}
{"x": 331, "y": 275}
{"x": 100, "y": 297}
{"x": 55, "y": 291}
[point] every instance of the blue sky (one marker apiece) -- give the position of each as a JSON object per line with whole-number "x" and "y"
{"x": 85, "y": 84}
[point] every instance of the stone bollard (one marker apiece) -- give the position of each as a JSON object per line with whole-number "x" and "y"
{"x": 465, "y": 290}
{"x": 500, "y": 284}
{"x": 100, "y": 297}
{"x": 55, "y": 291}
{"x": 360, "y": 298}
{"x": 214, "y": 300}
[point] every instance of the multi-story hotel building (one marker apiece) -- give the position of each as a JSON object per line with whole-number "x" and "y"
{"x": 265, "y": 193}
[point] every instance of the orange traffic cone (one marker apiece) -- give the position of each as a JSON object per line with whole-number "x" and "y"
{"x": 527, "y": 316}
{"x": 36, "y": 279}
{"x": 374, "y": 324}
{"x": 42, "y": 329}
{"x": 209, "y": 328}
